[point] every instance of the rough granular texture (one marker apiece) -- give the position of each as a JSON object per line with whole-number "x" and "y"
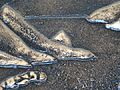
{"x": 74, "y": 75}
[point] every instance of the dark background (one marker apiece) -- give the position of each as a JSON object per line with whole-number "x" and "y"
{"x": 74, "y": 75}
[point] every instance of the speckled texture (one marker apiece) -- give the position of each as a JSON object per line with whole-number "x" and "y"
{"x": 74, "y": 75}
{"x": 106, "y": 14}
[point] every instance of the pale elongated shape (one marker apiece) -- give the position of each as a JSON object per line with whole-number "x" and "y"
{"x": 28, "y": 32}
{"x": 114, "y": 26}
{"x": 8, "y": 61}
{"x": 21, "y": 48}
{"x": 62, "y": 38}
{"x": 105, "y": 14}
{"x": 24, "y": 79}
{"x": 1, "y": 88}
{"x": 119, "y": 86}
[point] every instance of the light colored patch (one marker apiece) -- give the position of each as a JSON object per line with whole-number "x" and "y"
{"x": 43, "y": 76}
{"x": 23, "y": 82}
{"x": 63, "y": 38}
{"x": 33, "y": 76}
{"x": 3, "y": 84}
{"x": 17, "y": 78}
{"x": 9, "y": 60}
{"x": 114, "y": 26}
{"x": 119, "y": 86}
{"x": 4, "y": 16}
{"x": 97, "y": 21}
{"x": 105, "y": 14}
{"x": 55, "y": 49}
{"x": 25, "y": 76}
{"x": 37, "y": 57}
{"x": 10, "y": 82}
{"x": 1, "y": 88}
{"x": 21, "y": 47}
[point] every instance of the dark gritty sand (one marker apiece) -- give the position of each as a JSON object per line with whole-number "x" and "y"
{"x": 74, "y": 75}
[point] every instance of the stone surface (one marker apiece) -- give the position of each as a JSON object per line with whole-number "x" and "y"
{"x": 74, "y": 75}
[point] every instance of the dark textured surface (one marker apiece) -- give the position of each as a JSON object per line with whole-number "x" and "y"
{"x": 74, "y": 75}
